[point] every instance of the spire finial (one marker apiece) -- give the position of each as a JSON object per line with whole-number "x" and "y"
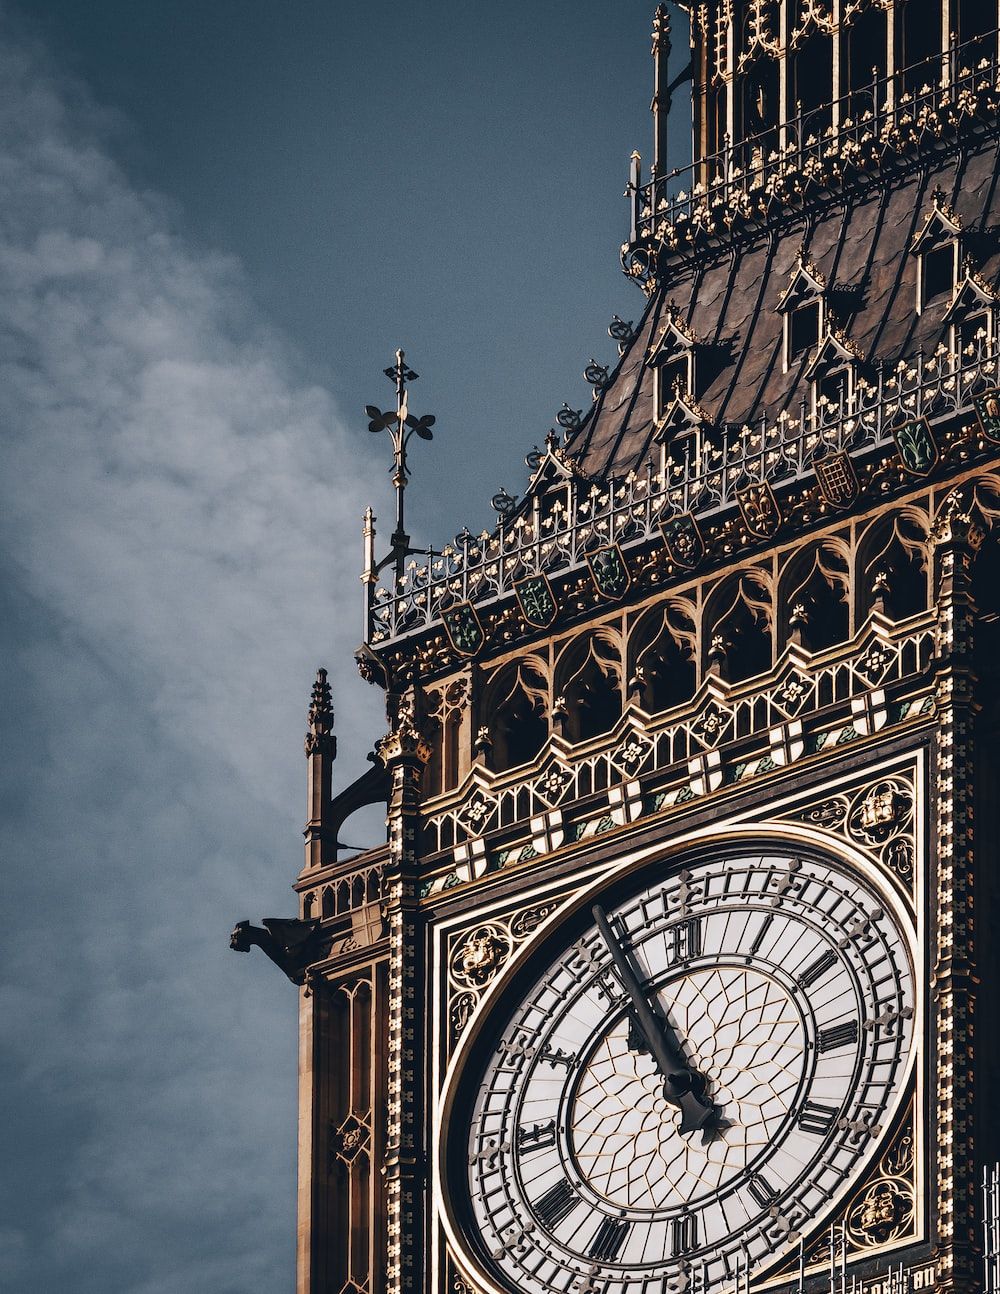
{"x": 320, "y": 738}
{"x": 400, "y": 424}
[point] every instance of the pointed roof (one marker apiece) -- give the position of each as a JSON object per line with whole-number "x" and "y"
{"x": 971, "y": 291}
{"x": 941, "y": 224}
{"x": 806, "y": 282}
{"x": 834, "y": 348}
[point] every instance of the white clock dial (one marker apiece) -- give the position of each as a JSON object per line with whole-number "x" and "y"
{"x": 776, "y": 991}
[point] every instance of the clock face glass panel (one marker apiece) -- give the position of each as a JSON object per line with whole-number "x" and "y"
{"x": 785, "y": 987}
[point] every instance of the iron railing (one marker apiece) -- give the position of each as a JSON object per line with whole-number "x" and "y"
{"x": 890, "y": 114}
{"x": 552, "y": 533}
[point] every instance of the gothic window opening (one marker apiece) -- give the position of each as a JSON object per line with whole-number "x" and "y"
{"x": 836, "y": 385}
{"x": 867, "y": 50}
{"x": 971, "y": 316}
{"x": 589, "y": 690}
{"x": 803, "y": 329}
{"x": 921, "y": 45}
{"x": 673, "y": 381}
{"x": 937, "y": 273}
{"x": 663, "y": 672}
{"x": 977, "y": 21}
{"x": 812, "y": 84}
{"x": 986, "y": 595}
{"x": 973, "y": 333}
{"x": 892, "y": 569}
{"x": 444, "y": 731}
{"x": 759, "y": 125}
{"x": 816, "y": 610}
{"x": 739, "y": 629}
{"x": 514, "y": 716}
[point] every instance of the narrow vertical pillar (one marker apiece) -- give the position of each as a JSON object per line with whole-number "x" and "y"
{"x": 956, "y": 538}
{"x": 660, "y": 105}
{"x": 405, "y": 753}
{"x": 321, "y": 751}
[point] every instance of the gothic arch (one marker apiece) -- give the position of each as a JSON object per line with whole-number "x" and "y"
{"x": 891, "y": 569}
{"x": 661, "y": 657}
{"x": 737, "y": 627}
{"x": 443, "y": 729}
{"x": 512, "y": 710}
{"x": 588, "y": 685}
{"x": 814, "y": 598}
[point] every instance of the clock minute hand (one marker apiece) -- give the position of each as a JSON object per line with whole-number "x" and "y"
{"x": 679, "y": 1078}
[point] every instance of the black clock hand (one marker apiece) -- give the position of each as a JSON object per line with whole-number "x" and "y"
{"x": 682, "y": 1085}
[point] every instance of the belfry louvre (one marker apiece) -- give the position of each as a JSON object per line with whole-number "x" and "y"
{"x": 674, "y": 974}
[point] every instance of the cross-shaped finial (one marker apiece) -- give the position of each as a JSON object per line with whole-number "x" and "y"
{"x": 401, "y": 425}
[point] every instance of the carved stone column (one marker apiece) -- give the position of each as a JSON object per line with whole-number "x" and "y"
{"x": 405, "y": 753}
{"x": 956, "y": 537}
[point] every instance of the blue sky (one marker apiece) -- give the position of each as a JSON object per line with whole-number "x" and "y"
{"x": 216, "y": 223}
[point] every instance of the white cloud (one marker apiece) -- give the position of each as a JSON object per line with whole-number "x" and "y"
{"x": 181, "y": 535}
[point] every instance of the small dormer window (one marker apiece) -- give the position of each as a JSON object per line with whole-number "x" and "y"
{"x": 672, "y": 359}
{"x": 833, "y": 373}
{"x": 937, "y": 273}
{"x": 803, "y": 307}
{"x": 971, "y": 316}
{"x": 938, "y": 249}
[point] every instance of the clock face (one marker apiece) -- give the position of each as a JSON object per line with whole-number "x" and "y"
{"x": 696, "y": 1078}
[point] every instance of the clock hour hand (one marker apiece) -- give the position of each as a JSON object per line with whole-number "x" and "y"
{"x": 682, "y": 1086}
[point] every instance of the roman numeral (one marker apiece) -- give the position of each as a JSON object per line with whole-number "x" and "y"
{"x": 838, "y": 1035}
{"x": 761, "y": 1189}
{"x": 761, "y": 935}
{"x": 557, "y": 1203}
{"x": 536, "y": 1137}
{"x": 819, "y": 967}
{"x": 683, "y": 1234}
{"x": 686, "y": 939}
{"x": 816, "y": 1118}
{"x": 609, "y": 1238}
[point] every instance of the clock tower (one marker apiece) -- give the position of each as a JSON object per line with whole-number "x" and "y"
{"x": 673, "y": 974}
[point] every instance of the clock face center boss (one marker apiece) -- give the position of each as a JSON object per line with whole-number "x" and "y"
{"x": 686, "y": 1080}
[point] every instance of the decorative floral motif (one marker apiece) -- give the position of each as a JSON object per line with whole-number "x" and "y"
{"x": 632, "y": 752}
{"x": 477, "y": 813}
{"x": 792, "y": 694}
{"x": 711, "y": 724}
{"x": 876, "y": 662}
{"x": 553, "y": 782}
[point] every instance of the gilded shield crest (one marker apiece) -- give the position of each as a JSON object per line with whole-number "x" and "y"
{"x": 917, "y": 447}
{"x": 760, "y": 508}
{"x": 683, "y": 540}
{"x": 609, "y": 571}
{"x": 838, "y": 481}
{"x": 988, "y": 412}
{"x": 464, "y": 628}
{"x": 536, "y": 600}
